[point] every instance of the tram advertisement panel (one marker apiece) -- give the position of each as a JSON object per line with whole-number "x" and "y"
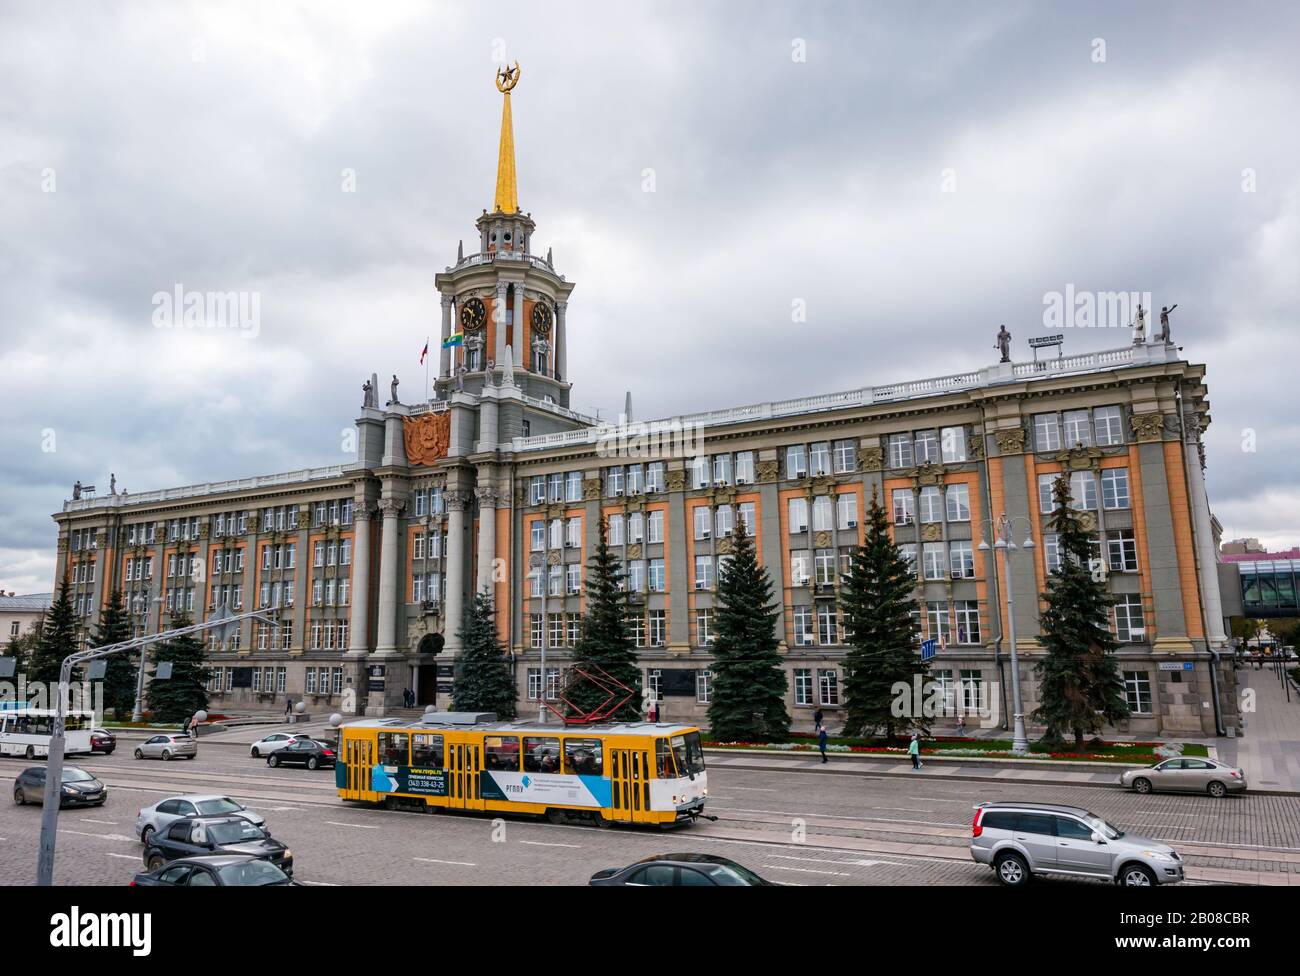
{"x": 574, "y": 791}
{"x": 416, "y": 780}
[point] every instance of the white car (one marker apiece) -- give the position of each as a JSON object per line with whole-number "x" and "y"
{"x": 273, "y": 743}
{"x": 162, "y": 813}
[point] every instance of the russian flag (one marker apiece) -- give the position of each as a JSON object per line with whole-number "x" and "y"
{"x": 424, "y": 352}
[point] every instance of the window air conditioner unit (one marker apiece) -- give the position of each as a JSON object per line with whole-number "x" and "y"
{"x": 574, "y": 591}
{"x": 807, "y": 640}
{"x": 704, "y": 533}
{"x": 570, "y": 545}
{"x": 701, "y": 585}
{"x": 853, "y": 524}
{"x": 742, "y": 481}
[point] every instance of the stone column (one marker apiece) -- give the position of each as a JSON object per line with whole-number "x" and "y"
{"x": 499, "y": 324}
{"x": 359, "y": 625}
{"x": 444, "y": 360}
{"x": 389, "y": 576}
{"x": 487, "y": 533}
{"x": 1210, "y": 596}
{"x": 561, "y": 343}
{"x": 457, "y": 503}
{"x": 523, "y": 354}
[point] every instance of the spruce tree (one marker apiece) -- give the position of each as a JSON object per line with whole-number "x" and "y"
{"x": 176, "y": 698}
{"x": 747, "y": 682}
{"x": 58, "y": 640}
{"x": 120, "y": 669}
{"x": 877, "y": 602}
{"x": 483, "y": 681}
{"x": 1080, "y": 687}
{"x": 606, "y": 643}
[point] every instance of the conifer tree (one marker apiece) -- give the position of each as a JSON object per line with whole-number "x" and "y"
{"x": 176, "y": 698}
{"x": 121, "y": 669}
{"x": 58, "y": 640}
{"x": 878, "y": 605}
{"x": 483, "y": 681}
{"x": 1080, "y": 687}
{"x": 605, "y": 642}
{"x": 747, "y": 682}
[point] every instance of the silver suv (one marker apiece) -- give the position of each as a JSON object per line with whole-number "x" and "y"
{"x": 1020, "y": 840}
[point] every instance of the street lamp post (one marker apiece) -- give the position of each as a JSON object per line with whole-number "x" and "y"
{"x": 1004, "y": 544}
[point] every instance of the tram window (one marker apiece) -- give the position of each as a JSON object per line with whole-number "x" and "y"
{"x": 664, "y": 760}
{"x": 583, "y": 757}
{"x": 541, "y": 755}
{"x": 394, "y": 748}
{"x": 501, "y": 752}
{"x": 426, "y": 750}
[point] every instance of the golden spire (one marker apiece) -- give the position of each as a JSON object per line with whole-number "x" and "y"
{"x": 507, "y": 195}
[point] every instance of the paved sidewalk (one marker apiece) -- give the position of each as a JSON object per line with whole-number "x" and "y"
{"x": 1269, "y": 751}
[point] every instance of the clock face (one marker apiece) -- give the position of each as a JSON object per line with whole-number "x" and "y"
{"x": 473, "y": 314}
{"x": 541, "y": 318}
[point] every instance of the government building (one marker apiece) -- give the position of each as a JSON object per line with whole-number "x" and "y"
{"x": 496, "y": 484}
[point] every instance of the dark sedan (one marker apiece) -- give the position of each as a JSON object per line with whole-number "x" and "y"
{"x": 194, "y": 836}
{"x": 80, "y": 789}
{"x": 304, "y": 752}
{"x": 102, "y": 740}
{"x": 214, "y": 871}
{"x": 680, "y": 870}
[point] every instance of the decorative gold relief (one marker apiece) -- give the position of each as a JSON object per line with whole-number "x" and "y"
{"x": 428, "y": 437}
{"x": 590, "y": 488}
{"x": 1010, "y": 441}
{"x": 871, "y": 459}
{"x": 553, "y": 558}
{"x": 1087, "y": 521}
{"x": 723, "y": 545}
{"x": 1080, "y": 458}
{"x": 675, "y": 480}
{"x": 634, "y": 551}
{"x": 975, "y": 447}
{"x": 822, "y": 540}
{"x": 931, "y": 532}
{"x": 1147, "y": 426}
{"x": 765, "y": 471}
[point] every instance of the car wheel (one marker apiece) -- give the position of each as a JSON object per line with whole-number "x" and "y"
{"x": 30, "y": 753}
{"x": 1012, "y": 870}
{"x": 255, "y": 753}
{"x": 273, "y": 760}
{"x": 20, "y": 798}
{"x": 167, "y": 755}
{"x": 313, "y": 763}
{"x": 139, "y": 754}
{"x": 1142, "y": 785}
{"x": 154, "y": 862}
{"x": 145, "y": 835}
{"x": 1136, "y": 876}
{"x": 1217, "y": 789}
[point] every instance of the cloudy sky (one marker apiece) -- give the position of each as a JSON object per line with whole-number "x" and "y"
{"x": 915, "y": 174}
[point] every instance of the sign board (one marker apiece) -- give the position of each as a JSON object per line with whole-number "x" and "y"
{"x": 97, "y": 670}
{"x": 1176, "y": 665}
{"x": 446, "y": 671}
{"x": 1038, "y": 342}
{"x": 445, "y": 687}
{"x": 241, "y": 677}
{"x": 8, "y": 666}
{"x": 928, "y": 648}
{"x": 163, "y": 672}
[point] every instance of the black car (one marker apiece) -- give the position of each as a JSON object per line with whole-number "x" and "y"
{"x": 304, "y": 752}
{"x": 80, "y": 789}
{"x": 102, "y": 740}
{"x": 214, "y": 871}
{"x": 193, "y": 836}
{"x": 680, "y": 870}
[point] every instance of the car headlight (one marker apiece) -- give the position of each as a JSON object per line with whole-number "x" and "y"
{"x": 1157, "y": 855}
{"x": 288, "y": 854}
{"x": 69, "y": 791}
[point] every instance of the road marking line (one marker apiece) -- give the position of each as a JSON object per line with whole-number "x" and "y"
{"x": 83, "y": 833}
{"x": 110, "y": 823}
{"x": 782, "y": 867}
{"x": 335, "y": 823}
{"x": 126, "y": 857}
{"x": 317, "y": 884}
{"x": 434, "y": 860}
{"x": 542, "y": 843}
{"x": 862, "y": 862}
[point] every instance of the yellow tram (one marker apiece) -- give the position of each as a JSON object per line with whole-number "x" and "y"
{"x": 637, "y": 773}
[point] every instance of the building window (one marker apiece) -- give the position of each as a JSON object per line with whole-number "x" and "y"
{"x": 796, "y": 461}
{"x": 798, "y": 515}
{"x": 972, "y": 690}
{"x": 1129, "y": 626}
{"x": 1121, "y": 548}
{"x": 961, "y": 559}
{"x": 932, "y": 561}
{"x": 927, "y": 447}
{"x": 1137, "y": 690}
{"x": 803, "y": 626}
{"x": 904, "y": 506}
{"x": 703, "y": 627}
{"x": 968, "y": 621}
{"x": 803, "y": 686}
{"x": 1047, "y": 432}
{"x": 931, "y": 506}
{"x": 800, "y": 567}
{"x": 703, "y": 686}
{"x": 1076, "y": 429}
{"x": 657, "y": 579}
{"x": 613, "y": 481}
{"x": 846, "y": 510}
{"x": 822, "y": 513}
{"x": 828, "y": 687}
{"x": 828, "y": 624}
{"x": 936, "y": 621}
{"x": 614, "y": 530}
{"x": 846, "y": 457}
{"x": 1107, "y": 426}
{"x": 900, "y": 450}
{"x": 958, "y": 503}
{"x": 535, "y": 630}
{"x": 704, "y": 572}
{"x": 952, "y": 442}
{"x": 942, "y": 680}
{"x": 819, "y": 459}
{"x": 1114, "y": 488}
{"x": 658, "y": 628}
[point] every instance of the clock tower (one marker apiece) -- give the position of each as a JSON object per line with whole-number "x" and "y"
{"x": 503, "y": 307}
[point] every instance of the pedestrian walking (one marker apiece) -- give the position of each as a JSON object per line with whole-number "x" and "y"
{"x": 817, "y": 719}
{"x": 288, "y": 708}
{"x": 652, "y": 713}
{"x": 914, "y": 750}
{"x": 961, "y": 724}
{"x": 822, "y": 737}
